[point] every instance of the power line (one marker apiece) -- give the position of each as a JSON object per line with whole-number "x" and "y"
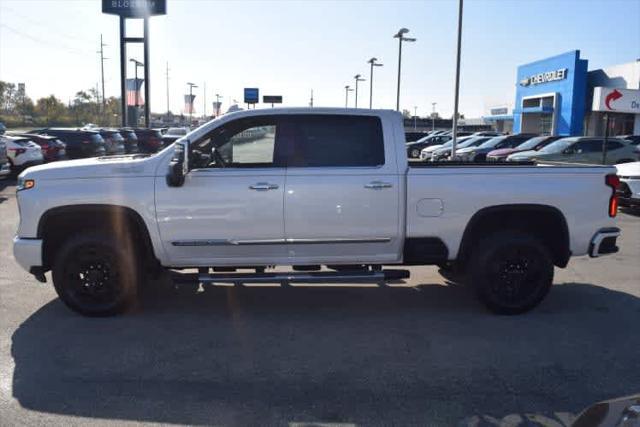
{"x": 69, "y": 49}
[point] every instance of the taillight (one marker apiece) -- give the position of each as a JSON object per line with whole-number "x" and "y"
{"x": 613, "y": 181}
{"x": 86, "y": 141}
{"x": 18, "y": 151}
{"x": 155, "y": 141}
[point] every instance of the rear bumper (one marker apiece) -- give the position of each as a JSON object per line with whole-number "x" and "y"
{"x": 604, "y": 242}
{"x": 28, "y": 252}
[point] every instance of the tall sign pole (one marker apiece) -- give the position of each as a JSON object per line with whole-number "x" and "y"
{"x": 139, "y": 9}
{"x": 456, "y": 95}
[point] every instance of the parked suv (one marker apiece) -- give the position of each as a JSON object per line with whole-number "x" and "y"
{"x": 130, "y": 140}
{"x": 479, "y": 153}
{"x": 22, "y": 152}
{"x": 52, "y": 148}
{"x": 80, "y": 143}
{"x": 5, "y": 168}
{"x": 149, "y": 140}
{"x": 173, "y": 134}
{"x": 582, "y": 150}
{"x": 114, "y": 142}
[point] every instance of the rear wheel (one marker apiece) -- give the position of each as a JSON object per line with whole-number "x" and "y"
{"x": 512, "y": 272}
{"x": 95, "y": 274}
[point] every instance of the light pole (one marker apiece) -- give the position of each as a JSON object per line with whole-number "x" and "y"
{"x": 433, "y": 116}
{"x": 415, "y": 118}
{"x": 137, "y": 64}
{"x": 401, "y": 38}
{"x": 347, "y": 89}
{"x": 373, "y": 63}
{"x": 357, "y": 79}
{"x": 191, "y": 86}
{"x": 454, "y": 141}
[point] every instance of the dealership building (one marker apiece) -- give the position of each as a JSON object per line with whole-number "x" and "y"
{"x": 560, "y": 96}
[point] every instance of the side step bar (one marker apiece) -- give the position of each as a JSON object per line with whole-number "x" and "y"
{"x": 320, "y": 277}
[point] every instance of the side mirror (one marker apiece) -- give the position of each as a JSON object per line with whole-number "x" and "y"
{"x": 179, "y": 165}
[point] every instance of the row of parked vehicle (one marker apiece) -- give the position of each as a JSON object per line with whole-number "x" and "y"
{"x": 483, "y": 146}
{"x": 19, "y": 150}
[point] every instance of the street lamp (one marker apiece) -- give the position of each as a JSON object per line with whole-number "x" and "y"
{"x": 433, "y": 116}
{"x": 347, "y": 89}
{"x": 137, "y": 64}
{"x": 191, "y": 86}
{"x": 415, "y": 118}
{"x": 401, "y": 38}
{"x": 218, "y": 96}
{"x": 357, "y": 79}
{"x": 373, "y": 63}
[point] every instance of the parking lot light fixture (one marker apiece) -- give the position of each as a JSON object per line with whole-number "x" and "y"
{"x": 357, "y": 78}
{"x": 347, "y": 89}
{"x": 191, "y": 86}
{"x": 401, "y": 38}
{"x": 374, "y": 63}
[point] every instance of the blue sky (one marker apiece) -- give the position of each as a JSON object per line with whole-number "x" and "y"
{"x": 289, "y": 47}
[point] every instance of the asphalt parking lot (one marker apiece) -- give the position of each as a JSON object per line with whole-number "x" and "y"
{"x": 422, "y": 355}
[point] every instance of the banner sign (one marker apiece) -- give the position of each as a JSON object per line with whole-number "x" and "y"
{"x": 272, "y": 99}
{"x": 616, "y": 100}
{"x": 251, "y": 95}
{"x": 135, "y": 8}
{"x": 188, "y": 104}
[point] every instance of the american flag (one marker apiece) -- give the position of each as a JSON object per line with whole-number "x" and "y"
{"x": 188, "y": 104}
{"x": 133, "y": 91}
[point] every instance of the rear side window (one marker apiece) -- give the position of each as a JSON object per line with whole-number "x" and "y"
{"x": 336, "y": 140}
{"x": 614, "y": 145}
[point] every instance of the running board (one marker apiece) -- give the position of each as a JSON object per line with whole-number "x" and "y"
{"x": 320, "y": 277}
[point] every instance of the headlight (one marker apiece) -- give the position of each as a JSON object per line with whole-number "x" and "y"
{"x": 25, "y": 184}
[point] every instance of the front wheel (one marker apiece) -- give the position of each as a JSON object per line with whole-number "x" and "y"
{"x": 95, "y": 274}
{"x": 415, "y": 153}
{"x": 511, "y": 271}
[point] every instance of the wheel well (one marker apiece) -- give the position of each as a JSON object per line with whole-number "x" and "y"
{"x": 544, "y": 222}
{"x": 57, "y": 224}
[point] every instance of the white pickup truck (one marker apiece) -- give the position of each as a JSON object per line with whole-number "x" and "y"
{"x": 306, "y": 188}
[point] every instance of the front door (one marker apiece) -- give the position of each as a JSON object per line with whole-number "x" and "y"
{"x": 342, "y": 198}
{"x": 230, "y": 209}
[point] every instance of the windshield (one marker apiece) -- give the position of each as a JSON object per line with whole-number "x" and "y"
{"x": 530, "y": 144}
{"x": 176, "y": 131}
{"x": 493, "y": 142}
{"x": 559, "y": 145}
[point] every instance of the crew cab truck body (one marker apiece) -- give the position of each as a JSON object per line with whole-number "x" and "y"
{"x": 304, "y": 188}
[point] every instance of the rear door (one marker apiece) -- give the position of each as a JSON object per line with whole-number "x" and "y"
{"x": 342, "y": 196}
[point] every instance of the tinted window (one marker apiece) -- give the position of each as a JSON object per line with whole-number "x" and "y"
{"x": 588, "y": 146}
{"x": 336, "y": 140}
{"x": 614, "y": 145}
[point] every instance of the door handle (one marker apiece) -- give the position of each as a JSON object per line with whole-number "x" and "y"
{"x": 263, "y": 186}
{"x": 378, "y": 185}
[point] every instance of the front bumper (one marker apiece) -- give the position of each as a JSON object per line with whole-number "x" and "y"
{"x": 28, "y": 252}
{"x": 604, "y": 242}
{"x": 5, "y": 169}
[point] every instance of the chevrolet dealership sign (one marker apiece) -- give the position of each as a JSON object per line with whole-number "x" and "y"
{"x": 549, "y": 76}
{"x": 616, "y": 100}
{"x": 135, "y": 8}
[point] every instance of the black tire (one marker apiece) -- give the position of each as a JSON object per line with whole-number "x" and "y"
{"x": 96, "y": 274}
{"x": 415, "y": 153}
{"x": 511, "y": 272}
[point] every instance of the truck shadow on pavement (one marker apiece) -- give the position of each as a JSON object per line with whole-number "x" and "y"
{"x": 248, "y": 356}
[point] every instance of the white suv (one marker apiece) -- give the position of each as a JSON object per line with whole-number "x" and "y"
{"x": 22, "y": 152}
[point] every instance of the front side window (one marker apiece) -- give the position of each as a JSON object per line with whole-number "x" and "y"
{"x": 336, "y": 140}
{"x": 249, "y": 142}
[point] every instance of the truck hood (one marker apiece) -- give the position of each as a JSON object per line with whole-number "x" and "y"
{"x": 628, "y": 169}
{"x": 96, "y": 167}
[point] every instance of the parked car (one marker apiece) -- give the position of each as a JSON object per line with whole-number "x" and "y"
{"x": 487, "y": 133}
{"x": 426, "y": 153}
{"x": 444, "y": 152}
{"x": 629, "y": 188}
{"x": 349, "y": 197}
{"x": 172, "y": 134}
{"x": 79, "y": 143}
{"x": 130, "y": 140}
{"x": 52, "y": 148}
{"x": 634, "y": 139}
{"x": 533, "y": 144}
{"x": 22, "y": 152}
{"x": 149, "y": 140}
{"x": 414, "y": 148}
{"x": 479, "y": 153}
{"x": 582, "y": 149}
{"x": 5, "y": 167}
{"x": 113, "y": 140}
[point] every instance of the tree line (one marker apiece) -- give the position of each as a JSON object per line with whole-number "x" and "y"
{"x": 19, "y": 110}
